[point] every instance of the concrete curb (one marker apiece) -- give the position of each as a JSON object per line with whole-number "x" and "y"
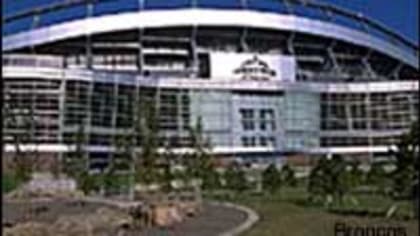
{"x": 252, "y": 218}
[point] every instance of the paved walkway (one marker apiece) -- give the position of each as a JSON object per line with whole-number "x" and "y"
{"x": 252, "y": 218}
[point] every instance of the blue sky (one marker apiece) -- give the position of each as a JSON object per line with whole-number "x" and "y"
{"x": 399, "y": 15}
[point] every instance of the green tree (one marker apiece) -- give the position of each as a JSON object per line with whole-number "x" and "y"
{"x": 199, "y": 163}
{"x": 77, "y": 162}
{"x": 124, "y": 149}
{"x": 288, "y": 176}
{"x": 356, "y": 175}
{"x": 329, "y": 181}
{"x": 377, "y": 176}
{"x": 169, "y": 159}
{"x": 212, "y": 179}
{"x": 271, "y": 179}
{"x": 109, "y": 176}
{"x": 118, "y": 173}
{"x": 235, "y": 178}
{"x": 32, "y": 155}
{"x": 318, "y": 181}
{"x": 407, "y": 162}
{"x": 22, "y": 162}
{"x": 340, "y": 181}
{"x": 121, "y": 165}
{"x": 146, "y": 131}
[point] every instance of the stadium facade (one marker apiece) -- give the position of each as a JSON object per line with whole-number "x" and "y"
{"x": 267, "y": 78}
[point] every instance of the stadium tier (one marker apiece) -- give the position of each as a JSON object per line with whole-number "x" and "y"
{"x": 268, "y": 79}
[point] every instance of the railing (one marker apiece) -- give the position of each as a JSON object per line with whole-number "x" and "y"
{"x": 41, "y": 61}
{"x": 181, "y": 79}
{"x": 67, "y": 10}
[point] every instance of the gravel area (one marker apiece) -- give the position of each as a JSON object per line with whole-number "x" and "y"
{"x": 214, "y": 219}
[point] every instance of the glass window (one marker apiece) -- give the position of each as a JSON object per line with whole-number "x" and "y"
{"x": 220, "y": 4}
{"x": 247, "y": 116}
{"x": 266, "y": 114}
{"x": 248, "y": 125}
{"x": 248, "y": 141}
{"x": 115, "y": 6}
{"x": 268, "y": 5}
{"x": 62, "y": 15}
{"x": 312, "y": 12}
{"x": 247, "y": 113}
{"x": 272, "y": 141}
{"x": 252, "y": 141}
{"x": 267, "y": 121}
{"x": 272, "y": 123}
{"x": 263, "y": 141}
{"x": 263, "y": 125}
{"x": 165, "y": 4}
{"x": 16, "y": 26}
{"x": 245, "y": 141}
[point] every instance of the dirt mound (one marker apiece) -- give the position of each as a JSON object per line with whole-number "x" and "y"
{"x": 44, "y": 185}
{"x": 28, "y": 229}
{"x": 72, "y": 226}
{"x": 101, "y": 222}
{"x": 24, "y": 194}
{"x": 112, "y": 218}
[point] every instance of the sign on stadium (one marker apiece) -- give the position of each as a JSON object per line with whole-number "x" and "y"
{"x": 247, "y": 66}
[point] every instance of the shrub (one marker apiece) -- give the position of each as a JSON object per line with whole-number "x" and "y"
{"x": 329, "y": 181}
{"x": 288, "y": 176}
{"x": 271, "y": 179}
{"x": 235, "y": 178}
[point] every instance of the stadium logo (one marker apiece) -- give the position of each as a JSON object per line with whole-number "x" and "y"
{"x": 255, "y": 69}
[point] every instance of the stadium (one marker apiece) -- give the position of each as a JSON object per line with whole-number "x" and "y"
{"x": 267, "y": 78}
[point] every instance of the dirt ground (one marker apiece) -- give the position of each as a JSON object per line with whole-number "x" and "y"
{"x": 213, "y": 220}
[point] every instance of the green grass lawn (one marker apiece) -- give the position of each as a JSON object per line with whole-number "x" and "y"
{"x": 285, "y": 213}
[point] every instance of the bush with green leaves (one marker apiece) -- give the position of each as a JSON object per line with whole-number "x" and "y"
{"x": 356, "y": 175}
{"x": 23, "y": 162}
{"x": 271, "y": 179}
{"x": 378, "y": 178}
{"x": 340, "y": 178}
{"x": 329, "y": 181}
{"x": 317, "y": 185}
{"x": 288, "y": 176}
{"x": 22, "y": 167}
{"x": 9, "y": 182}
{"x": 146, "y": 132}
{"x": 76, "y": 163}
{"x": 212, "y": 180}
{"x": 235, "y": 178}
{"x": 88, "y": 183}
{"x": 406, "y": 173}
